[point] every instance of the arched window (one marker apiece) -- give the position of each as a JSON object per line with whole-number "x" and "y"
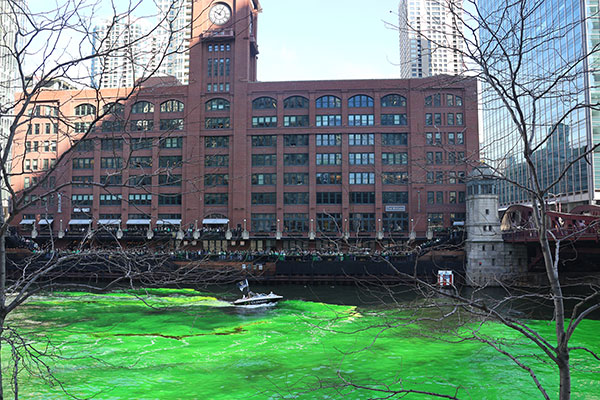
{"x": 295, "y": 102}
{"x": 393, "y": 100}
{"x": 142, "y": 107}
{"x": 85, "y": 109}
{"x": 264, "y": 103}
{"x": 170, "y": 106}
{"x": 217, "y": 104}
{"x": 360, "y": 100}
{"x": 328, "y": 102}
{"x": 114, "y": 109}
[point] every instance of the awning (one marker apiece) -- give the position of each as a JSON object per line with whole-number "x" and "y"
{"x": 80, "y": 222}
{"x": 109, "y": 222}
{"x": 215, "y": 221}
{"x": 458, "y": 223}
{"x": 46, "y": 221}
{"x": 138, "y": 222}
{"x": 168, "y": 222}
{"x": 27, "y": 221}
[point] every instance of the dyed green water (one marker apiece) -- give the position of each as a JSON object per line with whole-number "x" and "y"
{"x": 186, "y": 346}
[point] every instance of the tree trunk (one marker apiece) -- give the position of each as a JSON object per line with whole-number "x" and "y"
{"x": 565, "y": 375}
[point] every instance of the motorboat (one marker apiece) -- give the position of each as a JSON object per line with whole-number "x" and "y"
{"x": 250, "y": 298}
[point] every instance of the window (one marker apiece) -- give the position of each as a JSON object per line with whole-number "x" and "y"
{"x": 264, "y": 122}
{"x": 264, "y": 179}
{"x": 459, "y": 101}
{"x": 215, "y": 179}
{"x": 141, "y": 143}
{"x": 111, "y": 180}
{"x": 361, "y": 178}
{"x": 361, "y": 158}
{"x": 362, "y": 197}
{"x": 461, "y": 197}
{"x": 82, "y": 199}
{"x": 328, "y": 102}
{"x": 459, "y": 119}
{"x": 140, "y": 162}
{"x": 295, "y": 140}
{"x": 112, "y": 126}
{"x": 217, "y": 123}
{"x": 428, "y": 119}
{"x": 460, "y": 138}
{"x": 393, "y": 100}
{"x": 394, "y": 178}
{"x": 264, "y": 198}
{"x": 451, "y": 157}
{"x": 439, "y": 197}
{"x": 437, "y": 119}
{"x": 217, "y": 104}
{"x": 111, "y": 162}
{"x": 139, "y": 180}
{"x": 85, "y": 109}
{"x": 360, "y": 120}
{"x": 450, "y": 119}
{"x": 142, "y": 107}
{"x": 171, "y": 106}
{"x": 439, "y": 157}
{"x": 361, "y": 139}
{"x": 295, "y": 102}
{"x": 84, "y": 145}
{"x": 435, "y": 220}
{"x": 430, "y": 197}
{"x": 169, "y": 179}
{"x": 170, "y": 161}
{"x": 114, "y": 109}
{"x": 171, "y": 143}
{"x": 213, "y": 142}
{"x": 169, "y": 199}
{"x": 111, "y": 144}
{"x": 261, "y": 160}
{"x": 452, "y": 198}
{"x": 394, "y": 158}
{"x": 295, "y": 222}
{"x": 395, "y": 222}
{"x": 80, "y": 163}
{"x": 329, "y": 178}
{"x": 216, "y": 198}
{"x": 395, "y": 197}
{"x": 295, "y": 179}
{"x": 295, "y": 198}
{"x": 449, "y": 100}
{"x": 142, "y": 125}
{"x": 264, "y": 141}
{"x": 393, "y": 119}
{"x": 173, "y": 124}
{"x": 451, "y": 138}
{"x": 329, "y": 198}
{"x": 329, "y": 222}
{"x": 82, "y": 181}
{"x": 362, "y": 222}
{"x": 295, "y": 159}
{"x": 439, "y": 177}
{"x": 78, "y": 127}
{"x": 140, "y": 199}
{"x": 328, "y": 120}
{"x": 295, "y": 120}
{"x": 452, "y": 177}
{"x": 263, "y": 222}
{"x": 110, "y": 199}
{"x": 360, "y": 101}
{"x": 264, "y": 103}
{"x": 394, "y": 139}
{"x": 329, "y": 158}
{"x": 329, "y": 140}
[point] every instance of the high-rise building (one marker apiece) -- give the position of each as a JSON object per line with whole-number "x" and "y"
{"x": 174, "y": 35}
{"x": 553, "y": 60}
{"x": 431, "y": 37}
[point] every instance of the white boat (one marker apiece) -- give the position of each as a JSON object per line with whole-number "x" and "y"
{"x": 255, "y": 299}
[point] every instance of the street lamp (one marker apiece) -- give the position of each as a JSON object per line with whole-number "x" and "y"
{"x": 245, "y": 233}
{"x": 311, "y": 233}
{"x": 380, "y": 230}
{"x": 196, "y": 234}
{"x": 278, "y": 232}
{"x": 61, "y": 232}
{"x": 413, "y": 234}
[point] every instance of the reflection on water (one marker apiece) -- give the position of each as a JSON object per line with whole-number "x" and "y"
{"x": 183, "y": 344}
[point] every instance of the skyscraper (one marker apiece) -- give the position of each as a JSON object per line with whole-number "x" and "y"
{"x": 175, "y": 33}
{"x": 431, "y": 37}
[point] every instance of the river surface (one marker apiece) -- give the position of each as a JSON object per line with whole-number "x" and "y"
{"x": 185, "y": 344}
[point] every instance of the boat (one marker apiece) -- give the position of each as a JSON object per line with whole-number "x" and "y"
{"x": 250, "y": 298}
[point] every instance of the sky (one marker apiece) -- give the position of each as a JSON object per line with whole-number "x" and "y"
{"x": 327, "y": 39}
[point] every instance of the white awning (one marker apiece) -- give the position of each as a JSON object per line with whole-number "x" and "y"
{"x": 27, "y": 221}
{"x": 109, "y": 222}
{"x": 46, "y": 221}
{"x": 215, "y": 221}
{"x": 168, "y": 222}
{"x": 80, "y": 222}
{"x": 458, "y": 223}
{"x": 138, "y": 222}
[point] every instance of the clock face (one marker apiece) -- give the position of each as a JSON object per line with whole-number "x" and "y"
{"x": 219, "y": 14}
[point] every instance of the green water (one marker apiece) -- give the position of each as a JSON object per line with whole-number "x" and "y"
{"x": 178, "y": 344}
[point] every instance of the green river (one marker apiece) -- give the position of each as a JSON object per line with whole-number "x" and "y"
{"x": 183, "y": 344}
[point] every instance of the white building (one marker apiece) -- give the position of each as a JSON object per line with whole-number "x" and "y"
{"x": 431, "y": 37}
{"x": 175, "y": 34}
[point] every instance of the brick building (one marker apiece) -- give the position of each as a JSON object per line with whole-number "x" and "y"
{"x": 262, "y": 164}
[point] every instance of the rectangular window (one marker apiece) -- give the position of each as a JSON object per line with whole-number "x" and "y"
{"x": 171, "y": 143}
{"x": 450, "y": 119}
{"x": 141, "y": 143}
{"x": 112, "y": 126}
{"x": 394, "y": 139}
{"x": 169, "y": 199}
{"x": 84, "y": 145}
{"x": 214, "y": 142}
{"x": 295, "y": 140}
{"x": 451, "y": 138}
{"x": 263, "y": 223}
{"x": 82, "y": 181}
{"x": 264, "y": 179}
{"x": 439, "y": 159}
{"x": 428, "y": 119}
{"x": 435, "y": 220}
{"x": 111, "y": 180}
{"x": 111, "y": 144}
{"x": 451, "y": 157}
{"x": 79, "y": 127}
{"x": 394, "y": 158}
{"x": 394, "y": 178}
{"x": 361, "y": 158}
{"x": 395, "y": 197}
{"x": 439, "y": 197}
{"x": 169, "y": 180}
{"x": 295, "y": 179}
{"x": 395, "y": 222}
{"x": 142, "y": 125}
{"x": 217, "y": 123}
{"x": 264, "y": 160}
{"x": 295, "y": 222}
{"x": 140, "y": 199}
{"x": 110, "y": 199}
{"x": 264, "y": 141}
{"x": 329, "y": 158}
{"x": 170, "y": 161}
{"x": 216, "y": 180}
{"x": 264, "y": 122}
{"x": 360, "y": 120}
{"x": 216, "y": 160}
{"x": 329, "y": 178}
{"x": 216, "y": 198}
{"x": 362, "y": 222}
{"x": 393, "y": 119}
{"x": 139, "y": 180}
{"x": 82, "y": 200}
{"x": 329, "y": 140}
{"x": 328, "y": 120}
{"x": 460, "y": 138}
{"x": 295, "y": 120}
{"x": 452, "y": 198}
{"x": 459, "y": 119}
{"x": 329, "y": 222}
{"x": 140, "y": 162}
{"x": 295, "y": 198}
{"x": 361, "y": 139}
{"x": 362, "y": 197}
{"x": 264, "y": 198}
{"x": 295, "y": 159}
{"x": 437, "y": 119}
{"x": 78, "y": 163}
{"x": 361, "y": 178}
{"x": 329, "y": 198}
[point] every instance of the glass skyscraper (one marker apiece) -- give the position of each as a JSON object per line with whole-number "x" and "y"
{"x": 546, "y": 61}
